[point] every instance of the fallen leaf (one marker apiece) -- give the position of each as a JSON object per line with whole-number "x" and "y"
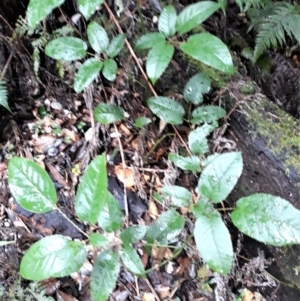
{"x": 125, "y": 176}
{"x": 148, "y": 297}
{"x": 153, "y": 211}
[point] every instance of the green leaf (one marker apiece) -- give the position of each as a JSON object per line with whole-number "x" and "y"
{"x": 166, "y": 228}
{"x": 166, "y": 109}
{"x": 195, "y": 14}
{"x": 133, "y": 233}
{"x": 219, "y": 177}
{"x": 98, "y": 240}
{"x": 37, "y": 12}
{"x": 207, "y": 114}
{"x": 116, "y": 45}
{"x": 158, "y": 59}
{"x": 97, "y": 37}
{"x": 186, "y": 163}
{"x": 197, "y": 139}
{"x": 209, "y": 50}
{"x": 148, "y": 40}
{"x": 66, "y": 49}
{"x": 132, "y": 261}
{"x": 110, "y": 218}
{"x": 86, "y": 74}
{"x": 110, "y": 70}
{"x": 141, "y": 122}
{"x": 198, "y": 85}
{"x": 88, "y": 7}
{"x": 179, "y": 196}
{"x": 92, "y": 191}
{"x": 31, "y": 186}
{"x": 268, "y": 219}
{"x": 52, "y": 256}
{"x": 107, "y": 113}
{"x": 104, "y": 275}
{"x": 3, "y": 96}
{"x": 167, "y": 21}
{"x": 214, "y": 242}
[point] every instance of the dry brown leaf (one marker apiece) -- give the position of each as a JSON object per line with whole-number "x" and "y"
{"x": 70, "y": 134}
{"x": 61, "y": 296}
{"x": 158, "y": 252}
{"x": 163, "y": 291}
{"x": 123, "y": 128}
{"x": 42, "y": 143}
{"x": 125, "y": 176}
{"x": 148, "y": 297}
{"x": 152, "y": 210}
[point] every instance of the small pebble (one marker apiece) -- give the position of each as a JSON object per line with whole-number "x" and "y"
{"x": 55, "y": 105}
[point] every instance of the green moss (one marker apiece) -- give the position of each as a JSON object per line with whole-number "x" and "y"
{"x": 280, "y": 130}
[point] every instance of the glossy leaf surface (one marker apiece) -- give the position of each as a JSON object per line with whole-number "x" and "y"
{"x": 167, "y": 109}
{"x": 52, "y": 256}
{"x": 158, "y": 59}
{"x": 268, "y": 219}
{"x": 166, "y": 228}
{"x": 104, "y": 275}
{"x": 207, "y": 114}
{"x": 219, "y": 177}
{"x": 194, "y": 14}
{"x": 132, "y": 261}
{"x": 141, "y": 122}
{"x": 214, "y": 242}
{"x": 133, "y": 233}
{"x": 88, "y": 7}
{"x": 197, "y": 139}
{"x": 86, "y": 74}
{"x": 92, "y": 191}
{"x": 147, "y": 40}
{"x": 31, "y": 186}
{"x": 191, "y": 163}
{"x": 97, "y": 37}
{"x": 66, "y": 49}
{"x": 209, "y": 50}
{"x": 98, "y": 240}
{"x": 37, "y": 12}
{"x": 179, "y": 196}
{"x": 167, "y": 21}
{"x": 196, "y": 87}
{"x": 110, "y": 218}
{"x": 107, "y": 113}
{"x": 110, "y": 70}
{"x": 116, "y": 45}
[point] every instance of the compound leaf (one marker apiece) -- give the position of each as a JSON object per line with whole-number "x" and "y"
{"x": 52, "y": 256}
{"x": 66, "y": 49}
{"x": 179, "y": 196}
{"x": 104, "y": 275}
{"x": 98, "y": 240}
{"x": 209, "y": 50}
{"x": 219, "y": 177}
{"x": 133, "y": 233}
{"x": 92, "y": 191}
{"x": 267, "y": 218}
{"x": 147, "y": 40}
{"x": 86, "y": 74}
{"x": 166, "y": 109}
{"x": 31, "y": 186}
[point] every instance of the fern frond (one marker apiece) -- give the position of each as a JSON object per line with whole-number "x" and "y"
{"x": 272, "y": 30}
{"x": 21, "y": 27}
{"x": 62, "y": 32}
{"x": 3, "y": 96}
{"x": 244, "y": 5}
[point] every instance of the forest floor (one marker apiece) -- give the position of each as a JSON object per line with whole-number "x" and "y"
{"x": 52, "y": 124}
